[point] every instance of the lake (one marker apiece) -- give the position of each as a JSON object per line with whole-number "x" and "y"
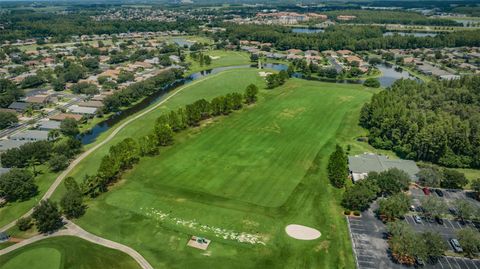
{"x": 416, "y": 34}
{"x": 307, "y": 30}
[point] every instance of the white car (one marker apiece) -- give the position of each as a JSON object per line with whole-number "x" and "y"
{"x": 417, "y": 219}
{"x": 456, "y": 245}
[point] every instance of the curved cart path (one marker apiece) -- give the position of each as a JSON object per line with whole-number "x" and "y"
{"x": 74, "y": 230}
{"x": 85, "y": 154}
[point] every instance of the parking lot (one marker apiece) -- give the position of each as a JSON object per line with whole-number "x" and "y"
{"x": 371, "y": 249}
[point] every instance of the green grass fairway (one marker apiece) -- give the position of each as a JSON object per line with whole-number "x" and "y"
{"x": 66, "y": 252}
{"x": 253, "y": 172}
{"x": 220, "y": 58}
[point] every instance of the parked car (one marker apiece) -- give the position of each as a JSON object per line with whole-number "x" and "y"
{"x": 426, "y": 191}
{"x": 453, "y": 211}
{"x": 412, "y": 208}
{"x": 439, "y": 220}
{"x": 420, "y": 209}
{"x": 439, "y": 192}
{"x": 417, "y": 219}
{"x": 456, "y": 245}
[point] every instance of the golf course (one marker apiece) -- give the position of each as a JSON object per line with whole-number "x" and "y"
{"x": 237, "y": 180}
{"x": 66, "y": 252}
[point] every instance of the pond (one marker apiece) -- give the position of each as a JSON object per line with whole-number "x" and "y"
{"x": 416, "y": 34}
{"x": 307, "y": 30}
{"x": 389, "y": 75}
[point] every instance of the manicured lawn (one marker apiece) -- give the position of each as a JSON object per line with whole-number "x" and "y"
{"x": 66, "y": 252}
{"x": 12, "y": 211}
{"x": 220, "y": 58}
{"x": 252, "y": 172}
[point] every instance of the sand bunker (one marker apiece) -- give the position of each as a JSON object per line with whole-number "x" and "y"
{"x": 301, "y": 232}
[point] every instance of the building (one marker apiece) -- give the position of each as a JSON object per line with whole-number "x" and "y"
{"x": 63, "y": 116}
{"x": 30, "y": 136}
{"x": 48, "y": 125}
{"x": 91, "y": 103}
{"x": 80, "y": 110}
{"x": 18, "y": 106}
{"x": 360, "y": 165}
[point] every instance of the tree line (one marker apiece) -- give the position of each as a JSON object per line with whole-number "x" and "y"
{"x": 436, "y": 122}
{"x": 136, "y": 91}
{"x": 31, "y": 24}
{"x": 356, "y": 38}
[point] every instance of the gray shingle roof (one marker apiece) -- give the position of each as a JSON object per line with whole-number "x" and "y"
{"x": 369, "y": 162}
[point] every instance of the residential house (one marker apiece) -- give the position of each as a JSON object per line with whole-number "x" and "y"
{"x": 48, "y": 125}
{"x": 85, "y": 111}
{"x": 20, "y": 107}
{"x": 63, "y": 116}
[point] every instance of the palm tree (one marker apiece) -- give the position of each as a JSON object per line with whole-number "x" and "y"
{"x": 33, "y": 162}
{"x": 53, "y": 134}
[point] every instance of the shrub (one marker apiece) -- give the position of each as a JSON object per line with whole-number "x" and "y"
{"x": 347, "y": 212}
{"x": 356, "y": 213}
{"x": 371, "y": 83}
{"x": 24, "y": 224}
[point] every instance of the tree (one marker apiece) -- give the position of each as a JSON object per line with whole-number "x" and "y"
{"x": 207, "y": 60}
{"x": 72, "y": 201}
{"x": 433, "y": 206}
{"x": 69, "y": 127}
{"x": 32, "y": 81}
{"x": 24, "y": 224}
{"x": 47, "y": 217}
{"x": 33, "y": 162}
{"x": 17, "y": 184}
{"x": 476, "y": 187}
{"x": 91, "y": 64}
{"x": 402, "y": 242}
{"x": 360, "y": 195}
{"x": 338, "y": 167}
{"x": 469, "y": 239}
{"x": 58, "y": 162}
{"x": 253, "y": 57}
{"x": 371, "y": 83}
{"x": 432, "y": 246}
{"x": 236, "y": 100}
{"x": 23, "y": 156}
{"x": 251, "y": 94}
{"x": 85, "y": 88}
{"x": 430, "y": 177}
{"x": 453, "y": 179}
{"x": 464, "y": 209}
{"x": 7, "y": 119}
{"x": 393, "y": 181}
{"x": 164, "y": 134}
{"x": 9, "y": 92}
{"x": 148, "y": 145}
{"x": 125, "y": 76}
{"x": 193, "y": 115}
{"x": 394, "y": 207}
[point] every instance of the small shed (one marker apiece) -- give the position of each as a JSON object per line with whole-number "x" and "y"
{"x": 198, "y": 242}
